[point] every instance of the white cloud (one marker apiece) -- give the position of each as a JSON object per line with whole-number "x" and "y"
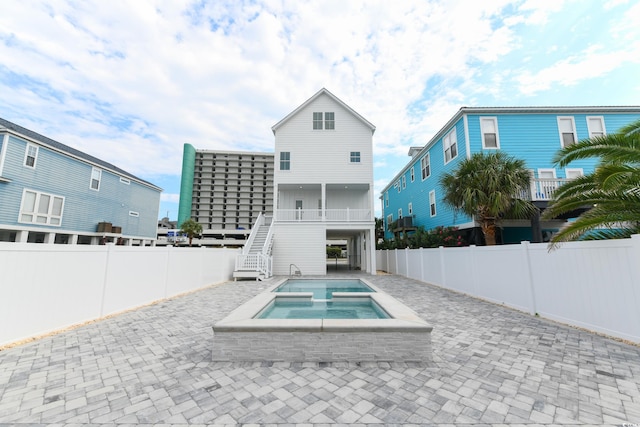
{"x": 167, "y": 197}
{"x": 131, "y": 82}
{"x": 596, "y": 61}
{"x": 539, "y": 10}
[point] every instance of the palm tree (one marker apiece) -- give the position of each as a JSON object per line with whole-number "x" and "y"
{"x": 191, "y": 228}
{"x": 612, "y": 189}
{"x": 488, "y": 187}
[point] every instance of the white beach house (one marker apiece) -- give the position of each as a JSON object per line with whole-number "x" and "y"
{"x": 323, "y": 191}
{"x": 323, "y": 186}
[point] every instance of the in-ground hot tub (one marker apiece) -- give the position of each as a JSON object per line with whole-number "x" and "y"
{"x": 308, "y": 308}
{"x": 394, "y": 333}
{"x": 323, "y": 288}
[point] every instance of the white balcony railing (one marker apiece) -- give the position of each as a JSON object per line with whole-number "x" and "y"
{"x": 330, "y": 215}
{"x": 543, "y": 188}
{"x": 255, "y": 262}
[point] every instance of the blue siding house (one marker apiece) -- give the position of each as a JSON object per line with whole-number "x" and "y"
{"x": 534, "y": 134}
{"x": 52, "y": 193}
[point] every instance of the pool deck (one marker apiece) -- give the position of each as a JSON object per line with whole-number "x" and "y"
{"x": 492, "y": 366}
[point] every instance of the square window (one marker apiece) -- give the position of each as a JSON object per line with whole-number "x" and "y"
{"x": 354, "y": 157}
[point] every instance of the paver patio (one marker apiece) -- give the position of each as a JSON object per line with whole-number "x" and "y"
{"x": 492, "y": 366}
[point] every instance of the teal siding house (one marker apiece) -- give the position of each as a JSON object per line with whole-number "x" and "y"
{"x": 52, "y": 193}
{"x": 534, "y": 134}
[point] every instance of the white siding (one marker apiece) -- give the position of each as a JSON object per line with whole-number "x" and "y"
{"x": 323, "y": 155}
{"x": 301, "y": 244}
{"x": 352, "y": 199}
{"x": 287, "y": 199}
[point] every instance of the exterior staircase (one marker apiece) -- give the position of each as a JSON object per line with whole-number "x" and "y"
{"x": 261, "y": 238}
{"x": 255, "y": 261}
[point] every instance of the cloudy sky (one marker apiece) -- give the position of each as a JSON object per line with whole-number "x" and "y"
{"x": 132, "y": 81}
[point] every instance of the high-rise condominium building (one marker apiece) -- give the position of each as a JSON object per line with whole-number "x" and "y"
{"x": 225, "y": 189}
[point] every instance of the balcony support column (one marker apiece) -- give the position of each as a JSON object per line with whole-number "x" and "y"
{"x": 323, "y": 197}
{"x": 536, "y": 228}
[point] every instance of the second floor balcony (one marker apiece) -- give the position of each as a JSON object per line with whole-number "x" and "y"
{"x": 328, "y": 215}
{"x": 542, "y": 189}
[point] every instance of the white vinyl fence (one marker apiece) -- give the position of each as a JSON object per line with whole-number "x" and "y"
{"x": 593, "y": 284}
{"x": 44, "y": 288}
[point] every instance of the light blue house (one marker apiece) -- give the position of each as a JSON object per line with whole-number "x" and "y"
{"x": 534, "y": 134}
{"x": 52, "y": 193}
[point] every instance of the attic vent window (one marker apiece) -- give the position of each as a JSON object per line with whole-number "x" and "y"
{"x": 329, "y": 121}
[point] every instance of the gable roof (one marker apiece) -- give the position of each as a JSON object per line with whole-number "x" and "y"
{"x": 323, "y": 91}
{"x": 58, "y": 146}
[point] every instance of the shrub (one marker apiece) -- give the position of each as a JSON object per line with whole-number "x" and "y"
{"x": 333, "y": 252}
{"x": 436, "y": 237}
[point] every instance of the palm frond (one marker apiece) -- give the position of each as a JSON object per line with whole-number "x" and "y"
{"x": 612, "y": 190}
{"x": 612, "y": 148}
{"x": 631, "y": 128}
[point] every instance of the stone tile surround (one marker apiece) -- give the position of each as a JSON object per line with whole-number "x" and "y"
{"x": 241, "y": 337}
